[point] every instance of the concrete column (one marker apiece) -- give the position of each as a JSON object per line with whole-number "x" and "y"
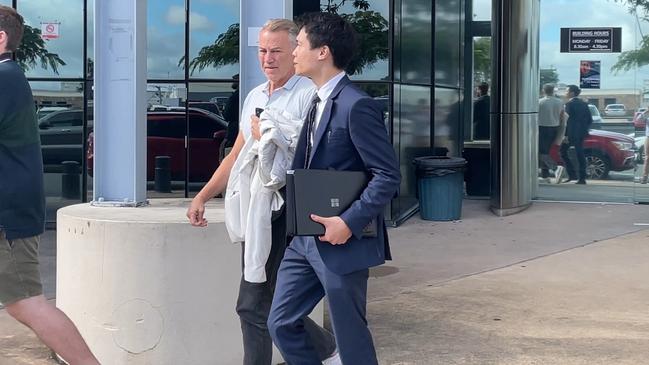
{"x": 120, "y": 103}
{"x": 254, "y": 13}
{"x": 145, "y": 287}
{"x": 514, "y": 104}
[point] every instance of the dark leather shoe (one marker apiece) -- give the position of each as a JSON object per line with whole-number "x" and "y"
{"x": 581, "y": 182}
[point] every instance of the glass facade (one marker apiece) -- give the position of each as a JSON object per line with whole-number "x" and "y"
{"x": 428, "y": 63}
{"x": 410, "y": 60}
{"x": 57, "y": 55}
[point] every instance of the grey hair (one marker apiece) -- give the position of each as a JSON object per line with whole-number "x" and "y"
{"x": 285, "y": 25}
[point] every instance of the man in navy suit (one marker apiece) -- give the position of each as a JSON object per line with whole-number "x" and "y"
{"x": 344, "y": 130}
{"x": 579, "y": 121}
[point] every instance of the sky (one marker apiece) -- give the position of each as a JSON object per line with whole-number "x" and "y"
{"x": 209, "y": 18}
{"x": 556, "y": 14}
{"x": 213, "y": 17}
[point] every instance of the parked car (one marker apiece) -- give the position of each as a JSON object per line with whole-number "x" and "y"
{"x": 166, "y": 137}
{"x": 45, "y": 110}
{"x": 640, "y": 149}
{"x": 615, "y": 110}
{"x": 638, "y": 122}
{"x": 61, "y": 134}
{"x": 605, "y": 152}
{"x": 206, "y": 105}
{"x": 594, "y": 112}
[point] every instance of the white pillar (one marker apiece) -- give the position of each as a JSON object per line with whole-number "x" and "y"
{"x": 254, "y": 13}
{"x": 120, "y": 103}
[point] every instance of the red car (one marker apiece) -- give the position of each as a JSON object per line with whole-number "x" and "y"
{"x": 638, "y": 122}
{"x": 605, "y": 152}
{"x": 166, "y": 137}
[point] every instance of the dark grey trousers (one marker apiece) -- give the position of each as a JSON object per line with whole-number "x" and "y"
{"x": 253, "y": 307}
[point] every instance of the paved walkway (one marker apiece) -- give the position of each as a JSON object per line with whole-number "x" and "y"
{"x": 556, "y": 284}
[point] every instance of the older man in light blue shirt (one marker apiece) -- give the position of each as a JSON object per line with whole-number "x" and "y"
{"x": 283, "y": 91}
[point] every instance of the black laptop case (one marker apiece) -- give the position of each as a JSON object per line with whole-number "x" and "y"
{"x": 325, "y": 193}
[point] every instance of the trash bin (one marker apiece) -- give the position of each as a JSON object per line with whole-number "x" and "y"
{"x": 440, "y": 182}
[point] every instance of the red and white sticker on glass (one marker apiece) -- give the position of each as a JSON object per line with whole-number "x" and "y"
{"x": 50, "y": 30}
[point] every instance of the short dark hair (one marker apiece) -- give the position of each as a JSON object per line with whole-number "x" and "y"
{"x": 548, "y": 89}
{"x": 484, "y": 88}
{"x": 331, "y": 30}
{"x": 13, "y": 24}
{"x": 574, "y": 89}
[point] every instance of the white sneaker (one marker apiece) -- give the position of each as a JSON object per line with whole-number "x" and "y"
{"x": 333, "y": 359}
{"x": 558, "y": 174}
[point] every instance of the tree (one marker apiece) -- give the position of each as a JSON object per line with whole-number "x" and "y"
{"x": 32, "y": 50}
{"x": 371, "y": 26}
{"x": 372, "y": 31}
{"x": 224, "y": 51}
{"x": 482, "y": 60}
{"x": 638, "y": 57}
{"x": 549, "y": 76}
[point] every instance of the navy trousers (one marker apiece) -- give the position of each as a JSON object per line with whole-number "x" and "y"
{"x": 303, "y": 280}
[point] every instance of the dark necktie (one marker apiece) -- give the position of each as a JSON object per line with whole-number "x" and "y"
{"x": 310, "y": 124}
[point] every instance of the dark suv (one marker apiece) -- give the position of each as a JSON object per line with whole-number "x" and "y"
{"x": 61, "y": 135}
{"x": 166, "y": 137}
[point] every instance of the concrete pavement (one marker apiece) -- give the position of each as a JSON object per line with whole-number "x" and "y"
{"x": 556, "y": 284}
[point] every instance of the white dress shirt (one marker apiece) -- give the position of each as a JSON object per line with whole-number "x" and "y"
{"x": 294, "y": 97}
{"x": 324, "y": 92}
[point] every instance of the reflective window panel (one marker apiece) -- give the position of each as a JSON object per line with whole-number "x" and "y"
{"x": 166, "y": 131}
{"x": 59, "y": 107}
{"x": 482, "y": 9}
{"x": 448, "y": 42}
{"x": 447, "y": 120}
{"x": 213, "y": 127}
{"x": 166, "y": 39}
{"x": 214, "y": 39}
{"x": 371, "y": 20}
{"x": 415, "y": 39}
{"x": 53, "y": 42}
{"x": 411, "y": 138}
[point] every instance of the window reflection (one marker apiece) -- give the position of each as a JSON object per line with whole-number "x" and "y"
{"x": 214, "y": 39}
{"x": 213, "y": 126}
{"x": 62, "y": 54}
{"x": 91, "y": 38}
{"x": 481, "y": 9}
{"x": 371, "y": 20}
{"x": 415, "y": 41}
{"x": 447, "y": 119}
{"x": 59, "y": 109}
{"x": 413, "y": 133}
{"x": 166, "y": 39}
{"x": 447, "y": 42}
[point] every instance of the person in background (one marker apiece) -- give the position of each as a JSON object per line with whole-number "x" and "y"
{"x": 22, "y": 207}
{"x": 645, "y": 170}
{"x": 481, "y": 113}
{"x": 551, "y": 115}
{"x": 577, "y": 126}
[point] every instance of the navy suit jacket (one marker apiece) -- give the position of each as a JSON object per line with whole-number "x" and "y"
{"x": 351, "y": 136}
{"x": 579, "y": 119}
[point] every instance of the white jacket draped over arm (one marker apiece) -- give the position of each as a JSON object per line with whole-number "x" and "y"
{"x": 253, "y": 188}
